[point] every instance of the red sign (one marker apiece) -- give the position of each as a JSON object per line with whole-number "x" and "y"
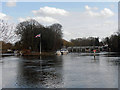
{"x": 94, "y": 50}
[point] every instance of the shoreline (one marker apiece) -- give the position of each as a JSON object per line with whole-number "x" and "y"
{"x": 38, "y": 54}
{"x": 29, "y": 54}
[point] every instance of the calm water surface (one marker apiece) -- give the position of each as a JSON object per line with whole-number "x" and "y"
{"x": 75, "y": 70}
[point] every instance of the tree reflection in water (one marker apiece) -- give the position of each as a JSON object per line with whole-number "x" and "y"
{"x": 40, "y": 72}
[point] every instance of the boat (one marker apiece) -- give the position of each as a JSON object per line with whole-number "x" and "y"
{"x": 58, "y": 52}
{"x": 62, "y": 52}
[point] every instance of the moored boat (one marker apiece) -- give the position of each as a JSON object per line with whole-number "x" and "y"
{"x": 62, "y": 52}
{"x": 58, "y": 52}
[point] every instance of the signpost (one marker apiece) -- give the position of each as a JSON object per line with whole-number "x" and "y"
{"x": 94, "y": 53}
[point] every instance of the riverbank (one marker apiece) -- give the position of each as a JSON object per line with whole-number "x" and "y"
{"x": 38, "y": 53}
{"x": 29, "y": 54}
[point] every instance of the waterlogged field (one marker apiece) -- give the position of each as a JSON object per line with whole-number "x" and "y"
{"x": 75, "y": 70}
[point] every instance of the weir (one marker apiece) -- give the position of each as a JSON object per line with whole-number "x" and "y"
{"x": 88, "y": 48}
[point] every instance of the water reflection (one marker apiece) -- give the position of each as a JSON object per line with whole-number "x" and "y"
{"x": 75, "y": 70}
{"x": 40, "y": 72}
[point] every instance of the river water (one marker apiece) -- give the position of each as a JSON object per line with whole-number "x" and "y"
{"x": 75, "y": 70}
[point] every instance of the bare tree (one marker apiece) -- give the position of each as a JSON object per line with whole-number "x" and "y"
{"x": 7, "y": 32}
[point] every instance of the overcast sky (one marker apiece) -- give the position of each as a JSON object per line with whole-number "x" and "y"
{"x": 79, "y": 19}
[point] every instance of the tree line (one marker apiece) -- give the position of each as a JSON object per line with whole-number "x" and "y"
{"x": 113, "y": 42}
{"x": 90, "y": 41}
{"x": 51, "y": 36}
